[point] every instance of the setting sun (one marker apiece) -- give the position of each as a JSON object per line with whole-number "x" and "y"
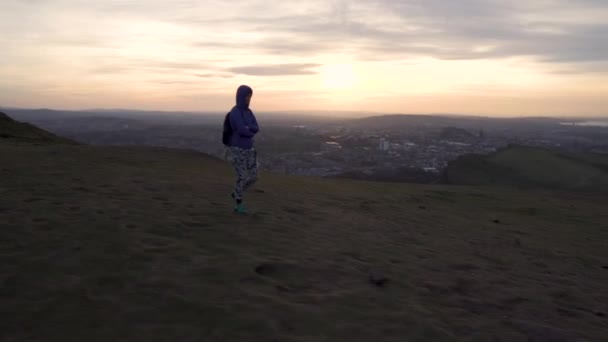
{"x": 339, "y": 76}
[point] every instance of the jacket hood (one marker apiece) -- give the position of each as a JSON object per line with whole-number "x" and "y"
{"x": 241, "y": 96}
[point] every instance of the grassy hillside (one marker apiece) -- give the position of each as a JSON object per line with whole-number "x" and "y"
{"x": 139, "y": 244}
{"x": 15, "y": 132}
{"x": 531, "y": 167}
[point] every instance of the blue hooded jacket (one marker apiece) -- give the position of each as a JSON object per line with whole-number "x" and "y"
{"x": 243, "y": 122}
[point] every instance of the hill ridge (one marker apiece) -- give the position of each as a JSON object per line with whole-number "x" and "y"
{"x": 15, "y": 132}
{"x": 531, "y": 167}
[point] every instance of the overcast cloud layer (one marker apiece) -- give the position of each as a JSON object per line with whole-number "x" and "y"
{"x": 185, "y": 54}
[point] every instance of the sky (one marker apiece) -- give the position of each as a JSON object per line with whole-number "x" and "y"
{"x": 484, "y": 57}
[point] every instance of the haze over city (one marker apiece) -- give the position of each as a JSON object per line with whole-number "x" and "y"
{"x": 496, "y": 58}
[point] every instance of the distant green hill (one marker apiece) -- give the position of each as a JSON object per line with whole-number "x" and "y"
{"x": 140, "y": 244}
{"x": 15, "y": 132}
{"x": 456, "y": 134}
{"x": 531, "y": 167}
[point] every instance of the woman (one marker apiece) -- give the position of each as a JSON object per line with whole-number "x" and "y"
{"x": 244, "y": 156}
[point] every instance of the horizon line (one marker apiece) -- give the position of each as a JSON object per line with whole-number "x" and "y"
{"x": 367, "y": 113}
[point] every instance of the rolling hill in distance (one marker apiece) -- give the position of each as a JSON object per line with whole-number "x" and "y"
{"x": 362, "y": 116}
{"x": 522, "y": 166}
{"x": 116, "y": 243}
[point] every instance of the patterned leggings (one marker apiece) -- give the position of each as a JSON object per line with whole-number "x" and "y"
{"x": 246, "y": 166}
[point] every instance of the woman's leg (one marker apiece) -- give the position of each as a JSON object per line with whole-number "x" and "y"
{"x": 239, "y": 161}
{"x": 252, "y": 169}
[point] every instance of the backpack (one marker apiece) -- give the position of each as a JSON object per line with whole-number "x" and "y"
{"x": 227, "y": 133}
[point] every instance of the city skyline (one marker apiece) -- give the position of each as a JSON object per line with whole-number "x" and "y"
{"x": 494, "y": 58}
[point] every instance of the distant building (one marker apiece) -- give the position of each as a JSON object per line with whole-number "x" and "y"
{"x": 331, "y": 146}
{"x": 384, "y": 144}
{"x": 455, "y": 143}
{"x": 408, "y": 145}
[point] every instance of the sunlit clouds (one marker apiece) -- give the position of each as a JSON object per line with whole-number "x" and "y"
{"x": 486, "y": 57}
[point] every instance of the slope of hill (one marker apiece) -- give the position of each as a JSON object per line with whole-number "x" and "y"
{"x": 395, "y": 175}
{"x": 14, "y": 132}
{"x": 457, "y": 134}
{"x": 139, "y": 244}
{"x": 531, "y": 167}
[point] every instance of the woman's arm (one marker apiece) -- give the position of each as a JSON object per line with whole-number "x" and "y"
{"x": 254, "y": 127}
{"x": 238, "y": 123}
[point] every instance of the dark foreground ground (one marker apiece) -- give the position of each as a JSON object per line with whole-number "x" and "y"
{"x": 139, "y": 244}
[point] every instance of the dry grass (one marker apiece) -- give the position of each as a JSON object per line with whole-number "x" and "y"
{"x": 139, "y": 244}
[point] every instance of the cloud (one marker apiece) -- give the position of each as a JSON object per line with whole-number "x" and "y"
{"x": 113, "y": 65}
{"x": 173, "y": 82}
{"x": 276, "y": 70}
{"x": 109, "y": 69}
{"x": 212, "y": 75}
{"x": 548, "y": 31}
{"x": 212, "y": 39}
